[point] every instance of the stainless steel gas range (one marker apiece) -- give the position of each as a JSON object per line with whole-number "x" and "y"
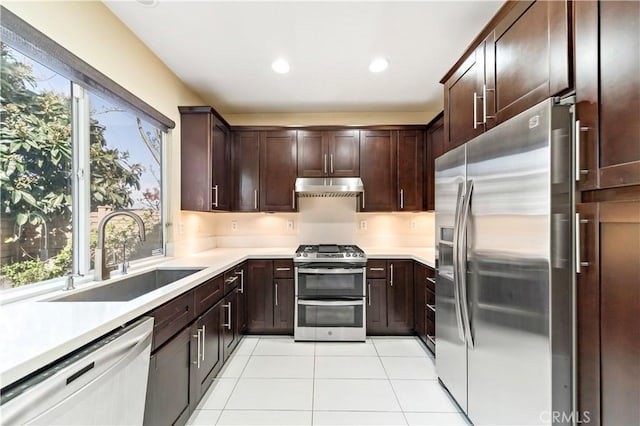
{"x": 330, "y": 293}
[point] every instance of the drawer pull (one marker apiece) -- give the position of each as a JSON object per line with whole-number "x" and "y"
{"x": 376, "y": 269}
{"x": 283, "y": 269}
{"x": 431, "y": 280}
{"x": 432, "y": 307}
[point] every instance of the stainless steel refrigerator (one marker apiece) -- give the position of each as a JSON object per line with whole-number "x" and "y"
{"x": 504, "y": 227}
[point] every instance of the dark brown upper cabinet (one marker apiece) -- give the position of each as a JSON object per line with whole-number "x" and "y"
{"x": 410, "y": 172}
{"x": 278, "y": 169}
{"x": 328, "y": 153}
{"x": 435, "y": 148}
{"x": 519, "y": 59}
{"x": 378, "y": 170}
{"x": 204, "y": 160}
{"x": 607, "y": 66}
{"x": 245, "y": 154}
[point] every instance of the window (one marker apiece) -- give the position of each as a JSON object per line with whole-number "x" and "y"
{"x": 44, "y": 152}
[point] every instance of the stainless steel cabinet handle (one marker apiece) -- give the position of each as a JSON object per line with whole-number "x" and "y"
{"x": 276, "y": 294}
{"x": 215, "y": 203}
{"x": 579, "y": 262}
{"x": 431, "y": 280}
{"x": 283, "y": 269}
{"x": 325, "y": 164}
{"x": 331, "y": 162}
{"x": 432, "y": 307}
{"x": 376, "y": 269}
{"x": 197, "y": 336}
{"x": 369, "y": 294}
{"x": 228, "y": 323}
{"x": 255, "y": 199}
{"x": 475, "y": 113}
{"x": 293, "y": 199}
{"x": 362, "y": 200}
{"x": 241, "y": 288}
{"x": 391, "y": 280}
{"x": 204, "y": 336}
{"x": 578, "y": 130}
{"x": 231, "y": 280}
{"x": 402, "y": 199}
{"x": 484, "y": 104}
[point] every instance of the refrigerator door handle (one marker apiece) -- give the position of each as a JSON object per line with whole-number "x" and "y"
{"x": 456, "y": 275}
{"x": 462, "y": 263}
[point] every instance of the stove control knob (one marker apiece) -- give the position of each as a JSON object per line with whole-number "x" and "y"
{"x": 305, "y": 255}
{"x": 298, "y": 254}
{"x": 361, "y": 254}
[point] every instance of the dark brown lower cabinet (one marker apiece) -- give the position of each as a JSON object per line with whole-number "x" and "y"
{"x": 390, "y": 299}
{"x": 168, "y": 391}
{"x": 270, "y": 296}
{"x": 608, "y": 296}
{"x": 207, "y": 360}
{"x": 376, "y": 305}
{"x": 183, "y": 367}
{"x": 424, "y": 304}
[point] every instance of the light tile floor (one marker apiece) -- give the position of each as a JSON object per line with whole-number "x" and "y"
{"x": 275, "y": 381}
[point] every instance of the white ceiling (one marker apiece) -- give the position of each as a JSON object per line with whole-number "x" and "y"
{"x": 223, "y": 50}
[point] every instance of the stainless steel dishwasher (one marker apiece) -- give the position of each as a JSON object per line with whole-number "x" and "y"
{"x": 103, "y": 383}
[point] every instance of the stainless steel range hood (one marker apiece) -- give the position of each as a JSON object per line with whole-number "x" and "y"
{"x": 329, "y": 187}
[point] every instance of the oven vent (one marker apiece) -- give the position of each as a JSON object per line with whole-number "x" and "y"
{"x": 329, "y": 187}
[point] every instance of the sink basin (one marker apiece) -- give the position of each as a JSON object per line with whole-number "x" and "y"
{"x": 130, "y": 287}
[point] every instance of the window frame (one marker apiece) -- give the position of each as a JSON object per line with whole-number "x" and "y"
{"x": 25, "y": 39}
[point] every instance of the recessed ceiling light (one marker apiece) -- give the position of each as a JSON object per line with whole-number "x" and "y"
{"x": 280, "y": 66}
{"x": 378, "y": 65}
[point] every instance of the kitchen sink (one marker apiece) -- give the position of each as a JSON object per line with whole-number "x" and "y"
{"x": 128, "y": 288}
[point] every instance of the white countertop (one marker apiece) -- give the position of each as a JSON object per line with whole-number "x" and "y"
{"x": 34, "y": 333}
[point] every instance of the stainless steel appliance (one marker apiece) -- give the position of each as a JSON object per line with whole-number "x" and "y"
{"x": 103, "y": 383}
{"x": 330, "y": 293}
{"x": 505, "y": 271}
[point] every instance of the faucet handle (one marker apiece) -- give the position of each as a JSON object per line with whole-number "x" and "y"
{"x": 69, "y": 281}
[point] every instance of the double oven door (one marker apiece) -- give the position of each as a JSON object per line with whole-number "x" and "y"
{"x": 330, "y": 302}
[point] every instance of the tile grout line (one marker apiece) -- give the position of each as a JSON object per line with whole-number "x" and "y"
{"x": 237, "y": 380}
{"x": 313, "y": 382}
{"x": 391, "y": 384}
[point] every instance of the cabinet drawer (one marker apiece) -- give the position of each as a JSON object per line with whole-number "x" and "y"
{"x": 208, "y": 294}
{"x": 377, "y": 269}
{"x": 431, "y": 281}
{"x": 172, "y": 317}
{"x": 231, "y": 279}
{"x": 431, "y": 305}
{"x": 283, "y": 268}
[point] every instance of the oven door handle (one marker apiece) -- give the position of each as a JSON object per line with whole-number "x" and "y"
{"x": 322, "y": 271}
{"x": 358, "y": 302}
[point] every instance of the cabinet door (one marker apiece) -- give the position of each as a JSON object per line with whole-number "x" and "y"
{"x": 410, "y": 170}
{"x": 607, "y": 52}
{"x": 619, "y": 238}
{"x": 376, "y": 305}
{"x": 530, "y": 56}
{"x": 230, "y": 336}
{"x": 462, "y": 114}
{"x": 435, "y": 148}
{"x": 208, "y": 349}
{"x": 195, "y": 161}
{"x": 283, "y": 305}
{"x": 168, "y": 395}
{"x": 242, "y": 299}
{"x": 313, "y": 158}
{"x": 278, "y": 170}
{"x": 259, "y": 295}
{"x": 400, "y": 296}
{"x": 246, "y": 172}
{"x": 344, "y": 153}
{"x": 378, "y": 170}
{"x": 220, "y": 170}
{"x": 420, "y": 301}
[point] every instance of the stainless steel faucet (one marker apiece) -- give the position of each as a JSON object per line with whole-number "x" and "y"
{"x": 101, "y": 270}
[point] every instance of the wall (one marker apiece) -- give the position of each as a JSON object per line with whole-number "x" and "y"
{"x": 89, "y": 30}
{"x": 330, "y": 118}
{"x": 325, "y": 220}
